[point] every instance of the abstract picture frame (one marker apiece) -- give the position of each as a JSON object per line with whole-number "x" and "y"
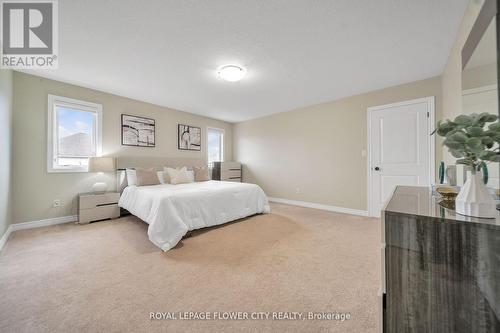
{"x": 137, "y": 131}
{"x": 188, "y": 137}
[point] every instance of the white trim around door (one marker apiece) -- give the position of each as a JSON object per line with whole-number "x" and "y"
{"x": 431, "y": 109}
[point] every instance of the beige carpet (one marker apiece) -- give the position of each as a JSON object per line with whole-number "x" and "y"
{"x": 107, "y": 276}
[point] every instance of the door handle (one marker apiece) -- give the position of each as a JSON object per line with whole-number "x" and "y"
{"x": 377, "y": 169}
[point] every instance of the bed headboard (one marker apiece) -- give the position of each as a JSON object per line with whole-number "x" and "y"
{"x": 157, "y": 163}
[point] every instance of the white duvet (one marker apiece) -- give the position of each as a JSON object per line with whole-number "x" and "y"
{"x": 173, "y": 210}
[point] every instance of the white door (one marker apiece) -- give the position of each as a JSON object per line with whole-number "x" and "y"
{"x": 401, "y": 148}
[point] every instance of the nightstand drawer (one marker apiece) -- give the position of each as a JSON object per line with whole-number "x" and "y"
{"x": 97, "y": 200}
{"x": 99, "y": 213}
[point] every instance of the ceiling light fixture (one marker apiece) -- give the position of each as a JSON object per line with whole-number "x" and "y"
{"x": 232, "y": 73}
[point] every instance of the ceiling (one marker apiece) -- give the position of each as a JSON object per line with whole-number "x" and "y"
{"x": 297, "y": 53}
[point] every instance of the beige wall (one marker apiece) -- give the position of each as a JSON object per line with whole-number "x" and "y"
{"x": 479, "y": 76}
{"x": 318, "y": 149}
{"x": 452, "y": 75}
{"x": 5, "y": 148}
{"x": 35, "y": 189}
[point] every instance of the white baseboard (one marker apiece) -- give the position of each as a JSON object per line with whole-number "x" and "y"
{"x": 5, "y": 237}
{"x": 43, "y": 223}
{"x": 35, "y": 224}
{"x": 320, "y": 206}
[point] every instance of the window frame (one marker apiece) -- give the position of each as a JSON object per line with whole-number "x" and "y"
{"x": 52, "y": 130}
{"x": 223, "y": 134}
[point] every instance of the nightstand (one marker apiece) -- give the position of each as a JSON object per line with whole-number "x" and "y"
{"x": 98, "y": 206}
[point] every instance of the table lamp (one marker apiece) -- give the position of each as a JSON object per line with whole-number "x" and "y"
{"x": 101, "y": 165}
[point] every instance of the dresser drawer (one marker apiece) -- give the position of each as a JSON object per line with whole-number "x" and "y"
{"x": 97, "y": 200}
{"x": 228, "y": 166}
{"x": 233, "y": 179}
{"x": 99, "y": 213}
{"x": 231, "y": 174}
{"x": 227, "y": 171}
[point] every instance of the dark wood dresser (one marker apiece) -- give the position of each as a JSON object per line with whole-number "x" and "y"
{"x": 441, "y": 270}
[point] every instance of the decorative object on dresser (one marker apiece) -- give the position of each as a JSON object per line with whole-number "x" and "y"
{"x": 441, "y": 172}
{"x": 188, "y": 137}
{"x": 451, "y": 175}
{"x": 95, "y": 207}
{"x": 138, "y": 131}
{"x": 448, "y": 193}
{"x": 101, "y": 165}
{"x": 474, "y": 143}
{"x": 227, "y": 171}
{"x": 440, "y": 270}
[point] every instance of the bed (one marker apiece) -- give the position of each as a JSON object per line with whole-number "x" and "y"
{"x": 173, "y": 210}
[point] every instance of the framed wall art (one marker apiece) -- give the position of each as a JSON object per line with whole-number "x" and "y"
{"x": 188, "y": 137}
{"x": 138, "y": 131}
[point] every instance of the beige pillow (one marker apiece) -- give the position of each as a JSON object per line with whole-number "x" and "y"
{"x": 201, "y": 174}
{"x": 146, "y": 177}
{"x": 178, "y": 176}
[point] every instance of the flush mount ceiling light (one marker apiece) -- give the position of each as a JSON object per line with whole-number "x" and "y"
{"x": 232, "y": 73}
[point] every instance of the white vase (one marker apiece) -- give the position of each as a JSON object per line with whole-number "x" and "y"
{"x": 474, "y": 198}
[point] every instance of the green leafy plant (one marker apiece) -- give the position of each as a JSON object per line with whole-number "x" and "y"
{"x": 473, "y": 139}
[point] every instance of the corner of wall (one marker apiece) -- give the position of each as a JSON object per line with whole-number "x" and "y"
{"x": 6, "y": 113}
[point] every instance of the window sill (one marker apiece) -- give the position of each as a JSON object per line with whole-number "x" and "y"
{"x": 67, "y": 170}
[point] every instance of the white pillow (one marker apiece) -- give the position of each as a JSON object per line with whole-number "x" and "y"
{"x": 131, "y": 177}
{"x": 166, "y": 176}
{"x": 179, "y": 176}
{"x": 191, "y": 175}
{"x": 161, "y": 177}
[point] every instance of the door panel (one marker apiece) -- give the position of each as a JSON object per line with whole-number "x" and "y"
{"x": 389, "y": 183}
{"x": 400, "y": 149}
{"x": 399, "y": 134}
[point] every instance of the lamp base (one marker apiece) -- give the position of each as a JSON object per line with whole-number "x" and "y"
{"x": 100, "y": 187}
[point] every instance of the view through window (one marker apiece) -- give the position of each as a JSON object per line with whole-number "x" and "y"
{"x": 74, "y": 133}
{"x": 215, "y": 144}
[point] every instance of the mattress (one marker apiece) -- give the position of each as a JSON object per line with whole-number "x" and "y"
{"x": 173, "y": 210}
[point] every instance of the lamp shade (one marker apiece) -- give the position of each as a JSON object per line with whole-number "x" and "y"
{"x": 101, "y": 164}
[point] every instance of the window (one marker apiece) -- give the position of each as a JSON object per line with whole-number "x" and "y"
{"x": 215, "y": 143}
{"x": 74, "y": 134}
